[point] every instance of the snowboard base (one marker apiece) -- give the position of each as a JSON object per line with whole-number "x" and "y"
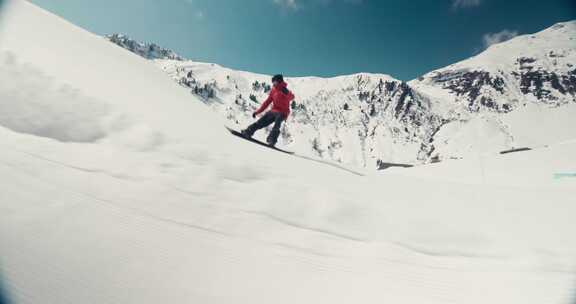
{"x": 234, "y": 132}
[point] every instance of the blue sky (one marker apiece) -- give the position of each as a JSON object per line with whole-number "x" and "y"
{"x": 403, "y": 38}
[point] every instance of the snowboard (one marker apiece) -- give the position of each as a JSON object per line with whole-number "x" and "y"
{"x": 234, "y": 132}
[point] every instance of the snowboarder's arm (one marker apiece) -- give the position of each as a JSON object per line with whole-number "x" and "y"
{"x": 289, "y": 93}
{"x": 264, "y": 105}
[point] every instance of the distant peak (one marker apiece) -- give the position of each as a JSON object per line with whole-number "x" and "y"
{"x": 144, "y": 49}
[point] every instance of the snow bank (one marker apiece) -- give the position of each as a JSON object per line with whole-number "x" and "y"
{"x": 32, "y": 104}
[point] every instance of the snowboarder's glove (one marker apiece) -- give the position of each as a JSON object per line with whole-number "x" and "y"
{"x": 254, "y": 115}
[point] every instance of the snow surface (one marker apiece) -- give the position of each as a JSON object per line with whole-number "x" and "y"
{"x": 117, "y": 187}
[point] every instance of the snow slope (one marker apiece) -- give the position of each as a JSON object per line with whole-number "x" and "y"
{"x": 116, "y": 188}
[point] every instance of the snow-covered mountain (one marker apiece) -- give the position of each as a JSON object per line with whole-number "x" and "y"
{"x": 503, "y": 91}
{"x": 538, "y": 68}
{"x": 117, "y": 186}
{"x": 361, "y": 119}
{"x": 369, "y": 120}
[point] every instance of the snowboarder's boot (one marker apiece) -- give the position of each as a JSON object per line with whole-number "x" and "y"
{"x": 273, "y": 136}
{"x": 246, "y": 133}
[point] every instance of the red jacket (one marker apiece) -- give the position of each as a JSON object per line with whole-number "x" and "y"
{"x": 280, "y": 98}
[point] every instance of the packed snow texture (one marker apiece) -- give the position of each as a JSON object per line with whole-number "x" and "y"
{"x": 32, "y": 104}
{"x": 128, "y": 190}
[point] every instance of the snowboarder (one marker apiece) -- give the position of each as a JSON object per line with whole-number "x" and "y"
{"x": 280, "y": 97}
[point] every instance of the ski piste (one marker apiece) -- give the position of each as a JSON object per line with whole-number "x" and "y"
{"x": 234, "y": 132}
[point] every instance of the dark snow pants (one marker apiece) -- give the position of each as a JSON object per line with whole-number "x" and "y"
{"x": 270, "y": 117}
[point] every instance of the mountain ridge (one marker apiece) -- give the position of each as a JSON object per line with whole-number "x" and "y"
{"x": 365, "y": 119}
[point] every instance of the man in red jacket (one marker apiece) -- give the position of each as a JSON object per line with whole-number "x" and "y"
{"x": 280, "y": 97}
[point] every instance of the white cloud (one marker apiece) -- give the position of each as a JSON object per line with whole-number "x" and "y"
{"x": 493, "y": 38}
{"x": 456, "y": 4}
{"x": 345, "y": 1}
{"x": 290, "y": 4}
{"x": 298, "y": 4}
{"x": 199, "y": 14}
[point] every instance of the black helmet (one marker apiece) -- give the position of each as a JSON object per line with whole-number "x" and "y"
{"x": 278, "y": 78}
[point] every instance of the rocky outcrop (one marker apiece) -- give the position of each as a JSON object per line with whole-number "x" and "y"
{"x": 146, "y": 50}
